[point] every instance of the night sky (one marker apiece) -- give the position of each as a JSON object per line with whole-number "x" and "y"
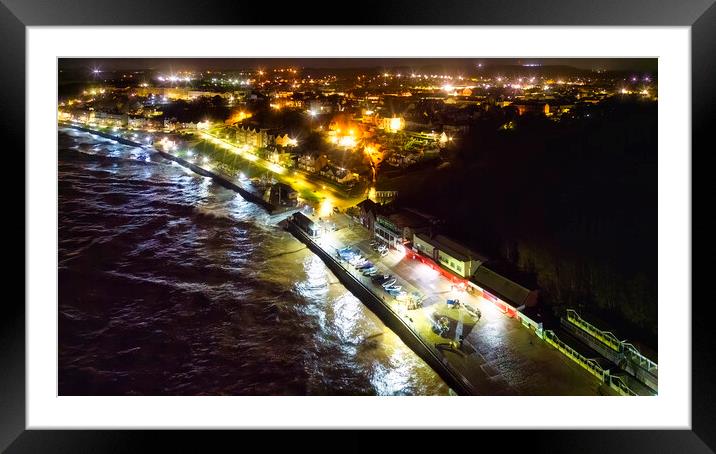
{"x": 176, "y": 64}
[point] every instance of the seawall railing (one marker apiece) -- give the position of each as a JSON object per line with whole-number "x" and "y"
{"x": 457, "y": 381}
{"x": 621, "y": 353}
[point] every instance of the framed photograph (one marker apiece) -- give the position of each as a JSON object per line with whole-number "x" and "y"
{"x": 453, "y": 215}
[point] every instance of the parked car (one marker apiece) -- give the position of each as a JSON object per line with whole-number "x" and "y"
{"x": 381, "y": 278}
{"x": 388, "y": 283}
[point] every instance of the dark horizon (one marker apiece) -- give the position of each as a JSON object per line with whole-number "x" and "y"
{"x": 197, "y": 64}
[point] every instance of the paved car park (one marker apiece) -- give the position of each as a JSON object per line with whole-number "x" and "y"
{"x": 497, "y": 354}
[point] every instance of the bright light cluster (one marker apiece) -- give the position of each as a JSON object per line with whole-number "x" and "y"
{"x": 347, "y": 141}
{"x": 173, "y": 78}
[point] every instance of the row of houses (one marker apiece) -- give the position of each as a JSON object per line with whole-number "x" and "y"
{"x": 123, "y": 120}
{"x": 94, "y": 117}
{"x": 415, "y": 233}
{"x": 261, "y": 137}
{"x": 254, "y": 137}
{"x": 174, "y": 125}
{"x": 146, "y": 123}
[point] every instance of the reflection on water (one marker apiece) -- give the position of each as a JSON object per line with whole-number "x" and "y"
{"x": 171, "y": 284}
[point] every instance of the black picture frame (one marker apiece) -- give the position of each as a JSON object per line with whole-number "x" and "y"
{"x": 699, "y": 15}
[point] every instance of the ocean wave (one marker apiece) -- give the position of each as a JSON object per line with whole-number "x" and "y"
{"x": 172, "y": 285}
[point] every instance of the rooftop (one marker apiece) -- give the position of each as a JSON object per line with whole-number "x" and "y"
{"x": 501, "y": 286}
{"x": 452, "y": 247}
{"x": 403, "y": 218}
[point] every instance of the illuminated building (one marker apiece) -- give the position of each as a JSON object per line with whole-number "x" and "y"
{"x": 533, "y": 107}
{"x": 312, "y": 164}
{"x": 320, "y": 107}
{"x": 368, "y": 210}
{"x": 398, "y": 228}
{"x": 238, "y": 117}
{"x": 285, "y": 141}
{"x": 448, "y": 253}
{"x": 257, "y": 138}
{"x": 392, "y": 124}
{"x": 281, "y": 158}
{"x": 443, "y": 139}
{"x": 109, "y": 119}
{"x": 346, "y": 141}
{"x": 385, "y": 195}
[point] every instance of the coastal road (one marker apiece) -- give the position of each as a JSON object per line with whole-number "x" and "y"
{"x": 328, "y": 196}
{"x": 322, "y": 197}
